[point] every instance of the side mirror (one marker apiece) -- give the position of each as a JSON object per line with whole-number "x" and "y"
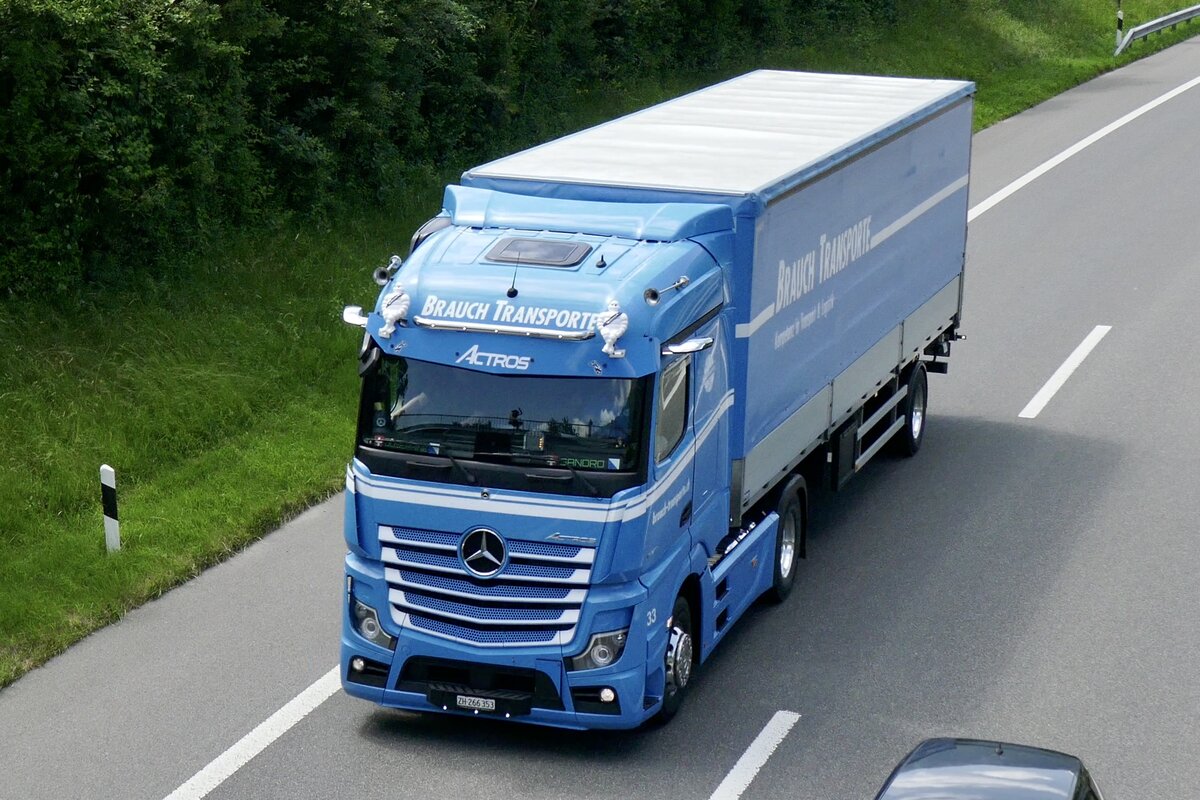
{"x": 353, "y": 315}
{"x": 425, "y": 231}
{"x": 369, "y": 362}
{"x": 689, "y": 346}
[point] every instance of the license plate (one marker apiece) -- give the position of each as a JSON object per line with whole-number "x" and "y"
{"x": 480, "y": 703}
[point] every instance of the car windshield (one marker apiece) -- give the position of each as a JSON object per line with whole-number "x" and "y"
{"x": 417, "y": 407}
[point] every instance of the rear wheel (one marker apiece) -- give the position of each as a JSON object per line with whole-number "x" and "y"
{"x": 907, "y": 440}
{"x": 789, "y": 537}
{"x": 680, "y": 659}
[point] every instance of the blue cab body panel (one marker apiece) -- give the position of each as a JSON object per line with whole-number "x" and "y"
{"x": 748, "y": 293}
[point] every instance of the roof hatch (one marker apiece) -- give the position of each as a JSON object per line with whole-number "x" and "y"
{"x": 538, "y": 252}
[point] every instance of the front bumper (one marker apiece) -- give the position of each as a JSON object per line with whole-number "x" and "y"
{"x": 530, "y": 683}
{"x": 428, "y": 675}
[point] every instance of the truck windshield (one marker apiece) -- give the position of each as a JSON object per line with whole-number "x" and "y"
{"x": 573, "y": 424}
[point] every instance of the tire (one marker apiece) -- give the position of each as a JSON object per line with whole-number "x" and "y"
{"x": 680, "y": 646}
{"x": 907, "y": 440}
{"x": 789, "y": 538}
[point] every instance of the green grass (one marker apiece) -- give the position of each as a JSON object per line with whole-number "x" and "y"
{"x": 223, "y": 398}
{"x": 224, "y": 393}
{"x": 1020, "y": 52}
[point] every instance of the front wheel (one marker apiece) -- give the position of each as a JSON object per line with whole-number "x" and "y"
{"x": 789, "y": 537}
{"x": 908, "y": 439}
{"x": 680, "y": 659}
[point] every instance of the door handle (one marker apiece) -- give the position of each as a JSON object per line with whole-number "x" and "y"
{"x": 686, "y": 515}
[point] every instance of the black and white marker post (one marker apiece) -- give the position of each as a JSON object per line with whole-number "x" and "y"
{"x": 1120, "y": 24}
{"x": 108, "y": 493}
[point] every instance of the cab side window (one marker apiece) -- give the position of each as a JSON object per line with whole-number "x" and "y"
{"x": 672, "y": 409}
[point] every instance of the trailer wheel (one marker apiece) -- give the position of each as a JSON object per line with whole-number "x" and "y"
{"x": 908, "y": 439}
{"x": 789, "y": 540}
{"x": 680, "y": 659}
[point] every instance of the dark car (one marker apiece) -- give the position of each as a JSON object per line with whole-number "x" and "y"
{"x": 971, "y": 769}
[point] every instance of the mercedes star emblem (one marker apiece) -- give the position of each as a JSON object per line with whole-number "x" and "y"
{"x": 482, "y": 552}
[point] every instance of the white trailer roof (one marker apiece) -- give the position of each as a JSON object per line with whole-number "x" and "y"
{"x": 739, "y": 137}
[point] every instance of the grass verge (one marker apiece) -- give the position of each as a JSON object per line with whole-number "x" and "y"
{"x": 223, "y": 395}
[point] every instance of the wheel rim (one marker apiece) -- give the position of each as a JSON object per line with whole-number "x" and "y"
{"x": 679, "y": 660}
{"x": 787, "y": 545}
{"x": 916, "y": 417}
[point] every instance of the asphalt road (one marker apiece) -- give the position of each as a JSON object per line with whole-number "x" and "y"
{"x": 1025, "y": 579}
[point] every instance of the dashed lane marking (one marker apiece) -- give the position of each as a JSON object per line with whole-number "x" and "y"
{"x": 1051, "y": 387}
{"x": 756, "y": 756}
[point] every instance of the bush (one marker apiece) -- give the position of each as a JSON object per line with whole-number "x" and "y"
{"x": 122, "y": 131}
{"x": 132, "y": 129}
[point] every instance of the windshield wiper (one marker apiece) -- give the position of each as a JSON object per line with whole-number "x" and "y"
{"x": 470, "y": 475}
{"x": 591, "y": 487}
{"x": 452, "y": 463}
{"x": 575, "y": 475}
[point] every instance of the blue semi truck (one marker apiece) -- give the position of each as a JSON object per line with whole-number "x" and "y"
{"x": 598, "y": 389}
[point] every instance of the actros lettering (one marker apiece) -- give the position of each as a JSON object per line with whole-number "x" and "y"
{"x": 477, "y": 358}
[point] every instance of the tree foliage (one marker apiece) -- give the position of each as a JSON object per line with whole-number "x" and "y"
{"x": 132, "y": 129}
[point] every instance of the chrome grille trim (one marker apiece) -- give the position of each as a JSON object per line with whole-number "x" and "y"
{"x": 578, "y": 577}
{"x": 427, "y": 581}
{"x": 567, "y": 618}
{"x": 394, "y": 535}
{"x": 389, "y": 539}
{"x": 554, "y": 638}
{"x": 394, "y": 577}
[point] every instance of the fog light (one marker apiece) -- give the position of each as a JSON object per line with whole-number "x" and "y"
{"x": 357, "y": 664}
{"x": 607, "y": 695}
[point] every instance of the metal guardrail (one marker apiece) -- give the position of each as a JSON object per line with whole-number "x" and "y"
{"x": 1155, "y": 26}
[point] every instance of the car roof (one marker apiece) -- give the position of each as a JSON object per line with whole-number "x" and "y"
{"x": 973, "y": 769}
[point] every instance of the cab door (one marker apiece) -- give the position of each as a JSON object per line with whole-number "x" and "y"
{"x": 711, "y": 402}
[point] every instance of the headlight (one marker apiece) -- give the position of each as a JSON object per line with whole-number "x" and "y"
{"x": 366, "y": 622}
{"x": 603, "y": 649}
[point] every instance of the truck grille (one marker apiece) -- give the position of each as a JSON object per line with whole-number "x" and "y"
{"x": 535, "y": 599}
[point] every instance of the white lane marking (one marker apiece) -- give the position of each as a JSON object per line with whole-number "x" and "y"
{"x": 259, "y": 739}
{"x": 1061, "y": 374}
{"x": 756, "y": 756}
{"x": 1046, "y": 166}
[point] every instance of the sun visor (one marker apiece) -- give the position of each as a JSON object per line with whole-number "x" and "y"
{"x": 655, "y": 222}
